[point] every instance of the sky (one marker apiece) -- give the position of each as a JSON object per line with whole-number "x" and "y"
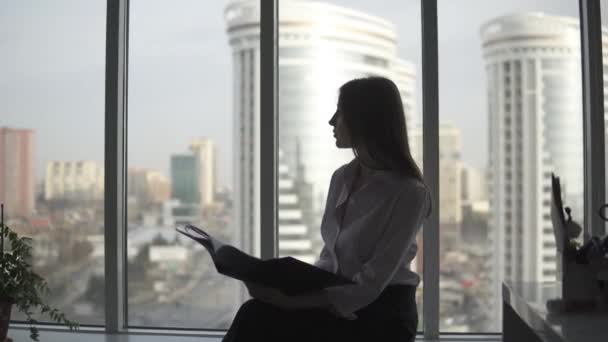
{"x": 52, "y": 56}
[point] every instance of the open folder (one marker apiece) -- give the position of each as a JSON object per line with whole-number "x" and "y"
{"x": 289, "y": 275}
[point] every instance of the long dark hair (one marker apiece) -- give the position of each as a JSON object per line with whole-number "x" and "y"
{"x": 373, "y": 113}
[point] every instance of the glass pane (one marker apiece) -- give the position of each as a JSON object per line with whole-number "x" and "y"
{"x": 510, "y": 115}
{"x": 193, "y": 106}
{"x": 321, "y": 46}
{"x": 52, "y": 145}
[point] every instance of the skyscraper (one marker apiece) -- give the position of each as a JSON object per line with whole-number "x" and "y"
{"x": 474, "y": 184}
{"x": 73, "y": 180}
{"x": 450, "y": 174}
{"x": 148, "y": 186}
{"x": 475, "y": 205}
{"x": 533, "y": 67}
{"x": 321, "y": 46}
{"x": 205, "y": 151}
{"x": 17, "y": 171}
{"x": 184, "y": 178}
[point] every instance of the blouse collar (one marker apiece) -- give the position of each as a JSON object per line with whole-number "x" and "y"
{"x": 349, "y": 172}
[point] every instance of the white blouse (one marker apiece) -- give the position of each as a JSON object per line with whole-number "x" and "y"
{"x": 376, "y": 243}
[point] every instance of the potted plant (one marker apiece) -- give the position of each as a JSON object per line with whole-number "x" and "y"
{"x": 20, "y": 285}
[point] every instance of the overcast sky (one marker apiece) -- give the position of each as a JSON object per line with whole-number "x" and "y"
{"x": 52, "y": 72}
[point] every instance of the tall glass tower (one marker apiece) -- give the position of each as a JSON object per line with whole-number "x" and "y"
{"x": 321, "y": 46}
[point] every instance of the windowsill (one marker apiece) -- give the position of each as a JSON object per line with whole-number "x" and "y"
{"x": 21, "y": 333}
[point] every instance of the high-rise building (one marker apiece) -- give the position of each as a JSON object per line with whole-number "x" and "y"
{"x": 17, "y": 171}
{"x": 321, "y": 46}
{"x": 475, "y": 205}
{"x": 148, "y": 186}
{"x": 474, "y": 184}
{"x": 475, "y": 217}
{"x": 205, "y": 151}
{"x": 158, "y": 185}
{"x": 533, "y": 67}
{"x": 535, "y": 128}
{"x": 74, "y": 181}
{"x": 450, "y": 173}
{"x": 184, "y": 178}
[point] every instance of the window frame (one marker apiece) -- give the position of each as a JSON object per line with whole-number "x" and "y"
{"x": 430, "y": 163}
{"x": 593, "y": 115}
{"x": 115, "y": 227}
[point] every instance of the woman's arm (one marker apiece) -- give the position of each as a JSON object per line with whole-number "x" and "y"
{"x": 325, "y": 261}
{"x": 406, "y": 218}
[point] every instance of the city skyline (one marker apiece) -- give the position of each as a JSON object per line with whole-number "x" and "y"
{"x": 173, "y": 103}
{"x": 155, "y": 52}
{"x": 53, "y": 171}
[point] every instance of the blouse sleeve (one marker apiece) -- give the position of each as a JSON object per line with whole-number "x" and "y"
{"x": 325, "y": 261}
{"x": 406, "y": 216}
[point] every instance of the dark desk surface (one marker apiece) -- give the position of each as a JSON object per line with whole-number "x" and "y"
{"x": 529, "y": 300}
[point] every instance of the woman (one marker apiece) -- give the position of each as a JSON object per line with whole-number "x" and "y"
{"x": 375, "y": 207}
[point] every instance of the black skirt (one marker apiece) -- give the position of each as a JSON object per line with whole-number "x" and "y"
{"x": 391, "y": 317}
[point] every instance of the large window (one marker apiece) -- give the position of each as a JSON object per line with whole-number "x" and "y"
{"x": 52, "y": 145}
{"x": 510, "y": 115}
{"x": 322, "y": 45}
{"x": 193, "y": 156}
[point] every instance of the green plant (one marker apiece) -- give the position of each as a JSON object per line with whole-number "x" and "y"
{"x": 19, "y": 284}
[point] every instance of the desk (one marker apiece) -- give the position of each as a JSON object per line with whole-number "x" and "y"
{"x": 525, "y": 317}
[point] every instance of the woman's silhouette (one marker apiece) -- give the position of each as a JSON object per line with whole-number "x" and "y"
{"x": 375, "y": 207}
